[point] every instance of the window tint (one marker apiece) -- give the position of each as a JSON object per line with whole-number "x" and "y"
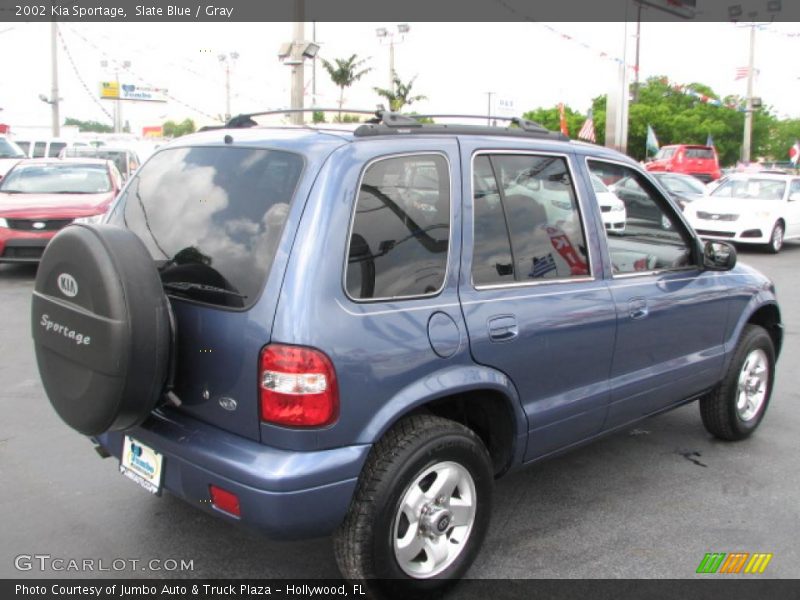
{"x": 751, "y": 188}
{"x": 401, "y": 229}
{"x": 652, "y": 238}
{"x": 39, "y": 149}
{"x": 9, "y": 149}
{"x": 211, "y": 216}
{"x": 527, "y": 225}
{"x": 55, "y": 148}
{"x": 699, "y": 153}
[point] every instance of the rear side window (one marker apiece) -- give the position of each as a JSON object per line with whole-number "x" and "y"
{"x": 55, "y": 148}
{"x": 401, "y": 229}
{"x": 211, "y": 216}
{"x": 527, "y": 224}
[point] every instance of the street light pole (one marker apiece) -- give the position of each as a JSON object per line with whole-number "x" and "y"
{"x": 489, "y": 109}
{"x": 748, "y": 115}
{"x": 228, "y": 60}
{"x": 383, "y": 32}
{"x": 54, "y": 100}
{"x": 297, "y": 67}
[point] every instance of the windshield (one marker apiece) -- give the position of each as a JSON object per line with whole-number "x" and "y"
{"x": 665, "y": 152}
{"x": 10, "y": 149}
{"x": 211, "y": 218}
{"x": 56, "y": 179}
{"x": 751, "y": 188}
{"x": 681, "y": 185}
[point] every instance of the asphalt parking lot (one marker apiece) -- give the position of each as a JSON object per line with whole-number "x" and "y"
{"x": 645, "y": 503}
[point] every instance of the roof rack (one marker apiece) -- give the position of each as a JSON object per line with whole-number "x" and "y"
{"x": 385, "y": 122}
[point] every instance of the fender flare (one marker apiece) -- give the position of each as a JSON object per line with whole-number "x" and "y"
{"x": 447, "y": 382}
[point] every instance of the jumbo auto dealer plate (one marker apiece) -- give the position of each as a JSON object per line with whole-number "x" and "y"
{"x": 142, "y": 464}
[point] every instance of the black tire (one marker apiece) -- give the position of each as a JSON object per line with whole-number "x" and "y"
{"x": 101, "y": 328}
{"x": 364, "y": 543}
{"x": 776, "y": 239}
{"x": 719, "y": 408}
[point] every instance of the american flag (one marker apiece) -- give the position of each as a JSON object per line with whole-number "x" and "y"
{"x": 742, "y": 72}
{"x": 587, "y": 131}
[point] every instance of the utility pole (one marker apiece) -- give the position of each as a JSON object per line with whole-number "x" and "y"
{"x": 314, "y": 67}
{"x": 228, "y": 61}
{"x": 638, "y": 39}
{"x": 489, "y": 109}
{"x": 54, "y": 100}
{"x": 297, "y": 68}
{"x": 748, "y": 115}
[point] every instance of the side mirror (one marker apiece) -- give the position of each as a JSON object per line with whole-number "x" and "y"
{"x": 794, "y": 197}
{"x": 719, "y": 256}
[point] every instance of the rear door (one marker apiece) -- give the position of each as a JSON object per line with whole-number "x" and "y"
{"x": 532, "y": 292}
{"x": 671, "y": 313}
{"x": 212, "y": 218}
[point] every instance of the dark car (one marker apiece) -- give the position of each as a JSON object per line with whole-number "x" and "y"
{"x": 683, "y": 189}
{"x": 40, "y": 196}
{"x": 355, "y": 332}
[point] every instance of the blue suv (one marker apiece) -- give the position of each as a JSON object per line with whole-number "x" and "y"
{"x": 313, "y": 331}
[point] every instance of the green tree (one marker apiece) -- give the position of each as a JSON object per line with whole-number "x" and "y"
{"x": 90, "y": 126}
{"x": 400, "y": 96}
{"x": 345, "y": 73}
{"x": 173, "y": 129}
{"x": 551, "y": 119}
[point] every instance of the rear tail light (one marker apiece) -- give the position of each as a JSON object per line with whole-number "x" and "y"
{"x": 297, "y": 387}
{"x": 224, "y": 500}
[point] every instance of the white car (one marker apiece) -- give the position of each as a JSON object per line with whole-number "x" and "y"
{"x": 611, "y": 207}
{"x": 750, "y": 208}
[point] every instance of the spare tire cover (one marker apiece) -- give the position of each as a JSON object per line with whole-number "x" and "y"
{"x": 100, "y": 324}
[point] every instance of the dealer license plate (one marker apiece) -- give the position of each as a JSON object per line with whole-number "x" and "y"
{"x": 142, "y": 464}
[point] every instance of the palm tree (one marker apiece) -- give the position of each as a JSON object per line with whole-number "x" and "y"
{"x": 401, "y": 95}
{"x": 345, "y": 73}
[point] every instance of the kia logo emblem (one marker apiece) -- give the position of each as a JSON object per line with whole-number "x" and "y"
{"x": 38, "y": 225}
{"x": 228, "y": 403}
{"x": 67, "y": 285}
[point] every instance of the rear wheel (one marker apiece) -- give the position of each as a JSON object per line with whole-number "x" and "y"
{"x": 735, "y": 408}
{"x": 776, "y": 239}
{"x": 421, "y": 510}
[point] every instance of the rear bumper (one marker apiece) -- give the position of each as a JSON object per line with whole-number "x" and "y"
{"x": 284, "y": 494}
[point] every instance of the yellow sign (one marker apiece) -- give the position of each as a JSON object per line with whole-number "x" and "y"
{"x": 109, "y": 89}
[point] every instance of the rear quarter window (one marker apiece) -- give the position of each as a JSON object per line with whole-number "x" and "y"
{"x": 212, "y": 216}
{"x": 401, "y": 229}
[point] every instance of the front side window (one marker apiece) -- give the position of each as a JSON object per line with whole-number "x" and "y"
{"x": 527, "y": 225}
{"x": 55, "y": 148}
{"x": 401, "y": 229}
{"x": 653, "y": 239}
{"x": 39, "y": 149}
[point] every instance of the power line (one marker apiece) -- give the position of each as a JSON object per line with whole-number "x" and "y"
{"x": 145, "y": 81}
{"x": 78, "y": 75}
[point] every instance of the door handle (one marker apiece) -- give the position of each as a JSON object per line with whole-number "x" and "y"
{"x": 503, "y": 328}
{"x": 637, "y": 308}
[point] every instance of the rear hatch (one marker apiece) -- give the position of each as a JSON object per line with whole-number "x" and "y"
{"x": 212, "y": 218}
{"x": 698, "y": 159}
